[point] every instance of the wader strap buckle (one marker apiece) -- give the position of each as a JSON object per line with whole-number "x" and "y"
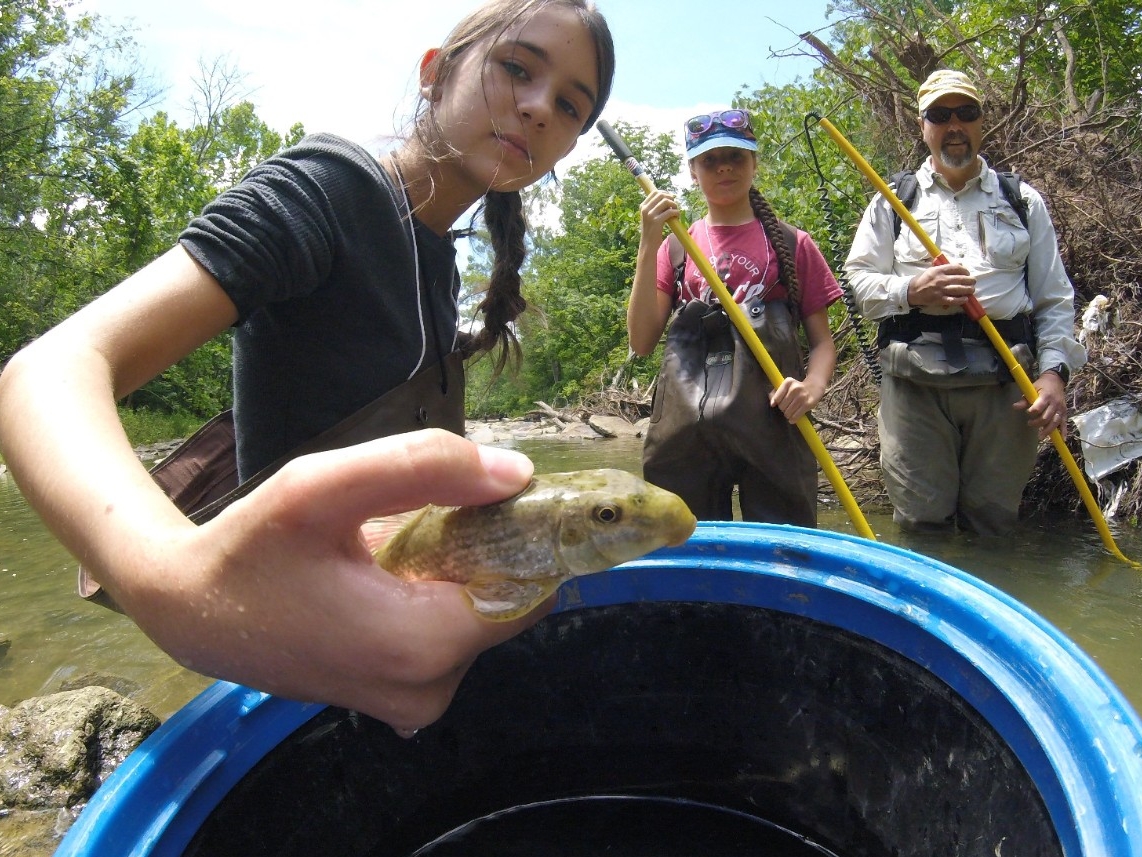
{"x": 954, "y": 352}
{"x": 719, "y": 358}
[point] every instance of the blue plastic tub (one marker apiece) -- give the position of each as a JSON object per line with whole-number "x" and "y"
{"x": 864, "y": 698}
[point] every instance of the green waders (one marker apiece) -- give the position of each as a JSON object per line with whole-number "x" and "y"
{"x": 712, "y": 425}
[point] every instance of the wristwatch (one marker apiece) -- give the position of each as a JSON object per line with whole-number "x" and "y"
{"x": 1061, "y": 370}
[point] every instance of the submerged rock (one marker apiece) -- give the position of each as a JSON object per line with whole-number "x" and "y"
{"x": 56, "y": 750}
{"x": 33, "y": 832}
{"x": 119, "y": 684}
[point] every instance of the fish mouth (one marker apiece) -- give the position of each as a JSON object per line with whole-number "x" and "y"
{"x": 682, "y": 527}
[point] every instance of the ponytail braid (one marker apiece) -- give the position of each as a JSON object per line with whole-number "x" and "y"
{"x": 763, "y": 211}
{"x": 503, "y": 299}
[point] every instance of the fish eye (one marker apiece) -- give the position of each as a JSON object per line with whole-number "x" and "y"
{"x": 608, "y": 514}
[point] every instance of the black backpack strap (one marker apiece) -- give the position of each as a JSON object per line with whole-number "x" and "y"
{"x": 677, "y": 262}
{"x": 905, "y": 186}
{"x": 1009, "y": 183}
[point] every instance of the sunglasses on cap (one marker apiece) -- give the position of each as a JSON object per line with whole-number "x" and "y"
{"x": 699, "y": 125}
{"x": 942, "y": 115}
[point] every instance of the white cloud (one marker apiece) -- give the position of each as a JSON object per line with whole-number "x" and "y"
{"x": 349, "y": 66}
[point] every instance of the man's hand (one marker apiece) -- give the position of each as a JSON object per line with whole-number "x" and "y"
{"x": 941, "y": 287}
{"x": 1049, "y": 411}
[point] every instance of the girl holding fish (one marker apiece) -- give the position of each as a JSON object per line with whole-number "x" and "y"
{"x": 338, "y": 273}
{"x": 717, "y": 421}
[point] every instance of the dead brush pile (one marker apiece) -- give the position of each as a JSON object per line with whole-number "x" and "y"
{"x": 1093, "y": 187}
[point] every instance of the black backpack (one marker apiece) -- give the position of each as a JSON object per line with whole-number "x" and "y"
{"x": 905, "y": 186}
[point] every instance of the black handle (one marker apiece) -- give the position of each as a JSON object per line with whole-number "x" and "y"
{"x": 616, "y": 142}
{"x": 621, "y": 149}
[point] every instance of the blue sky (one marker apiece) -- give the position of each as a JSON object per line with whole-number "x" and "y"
{"x": 347, "y": 66}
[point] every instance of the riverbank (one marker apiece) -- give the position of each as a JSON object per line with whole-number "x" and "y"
{"x": 845, "y": 421}
{"x": 543, "y": 423}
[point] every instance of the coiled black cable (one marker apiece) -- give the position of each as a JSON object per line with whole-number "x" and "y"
{"x": 837, "y": 245}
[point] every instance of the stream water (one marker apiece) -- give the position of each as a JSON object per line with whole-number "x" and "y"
{"x": 1061, "y": 571}
{"x": 51, "y": 639}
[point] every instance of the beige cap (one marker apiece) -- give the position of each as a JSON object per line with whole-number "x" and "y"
{"x": 946, "y": 82}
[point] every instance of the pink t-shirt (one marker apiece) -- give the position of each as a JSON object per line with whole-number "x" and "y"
{"x": 747, "y": 265}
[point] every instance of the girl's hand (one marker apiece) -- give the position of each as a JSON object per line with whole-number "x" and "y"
{"x": 795, "y": 398}
{"x": 279, "y": 592}
{"x": 656, "y": 209}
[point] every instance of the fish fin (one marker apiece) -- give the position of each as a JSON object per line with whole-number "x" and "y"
{"x": 502, "y": 600}
{"x": 88, "y": 586}
{"x": 376, "y": 532}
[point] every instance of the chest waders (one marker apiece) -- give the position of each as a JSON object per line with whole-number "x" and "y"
{"x": 201, "y": 476}
{"x": 712, "y": 425}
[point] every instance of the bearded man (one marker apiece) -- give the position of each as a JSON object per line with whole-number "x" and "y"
{"x": 958, "y": 440}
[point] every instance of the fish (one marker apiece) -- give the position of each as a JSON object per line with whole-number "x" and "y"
{"x": 512, "y": 555}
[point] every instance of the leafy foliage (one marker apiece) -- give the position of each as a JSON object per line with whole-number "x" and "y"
{"x": 91, "y": 190}
{"x": 62, "y": 111}
{"x": 577, "y": 280}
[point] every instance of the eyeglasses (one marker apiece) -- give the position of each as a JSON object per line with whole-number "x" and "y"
{"x": 699, "y": 125}
{"x": 943, "y": 115}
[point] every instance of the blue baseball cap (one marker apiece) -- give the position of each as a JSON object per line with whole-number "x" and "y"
{"x": 729, "y": 128}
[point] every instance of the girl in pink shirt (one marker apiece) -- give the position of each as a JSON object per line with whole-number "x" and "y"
{"x": 718, "y": 422}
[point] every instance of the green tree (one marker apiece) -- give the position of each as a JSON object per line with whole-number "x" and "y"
{"x": 63, "y": 109}
{"x": 166, "y": 176}
{"x": 226, "y": 136}
{"x": 579, "y": 275}
{"x": 1067, "y": 64}
{"x": 576, "y": 280}
{"x": 92, "y": 189}
{"x": 149, "y": 188}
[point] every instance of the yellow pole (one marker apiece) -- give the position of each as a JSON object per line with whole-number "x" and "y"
{"x": 974, "y": 310}
{"x": 739, "y": 320}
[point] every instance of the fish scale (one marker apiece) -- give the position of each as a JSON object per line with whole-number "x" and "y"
{"x": 510, "y": 556}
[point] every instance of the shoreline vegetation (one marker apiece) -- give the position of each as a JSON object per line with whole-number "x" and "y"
{"x": 845, "y": 421}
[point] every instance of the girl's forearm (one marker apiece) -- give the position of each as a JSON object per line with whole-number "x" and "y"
{"x": 819, "y": 370}
{"x": 822, "y": 360}
{"x": 645, "y": 321}
{"x": 86, "y": 484}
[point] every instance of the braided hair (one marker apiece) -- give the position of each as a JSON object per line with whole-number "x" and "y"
{"x": 764, "y": 212}
{"x": 503, "y": 300}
